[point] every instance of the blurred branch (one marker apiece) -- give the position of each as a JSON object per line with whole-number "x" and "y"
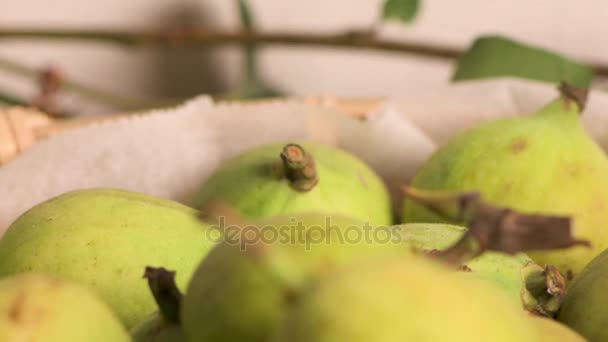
{"x": 203, "y": 38}
{"x": 360, "y": 40}
{"x": 120, "y": 101}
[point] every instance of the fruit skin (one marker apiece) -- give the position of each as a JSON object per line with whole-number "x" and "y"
{"x": 543, "y": 163}
{"x": 157, "y": 329}
{"x": 502, "y": 270}
{"x": 584, "y": 308}
{"x": 553, "y": 331}
{"x": 103, "y": 239}
{"x": 404, "y": 299}
{"x": 39, "y": 308}
{"x": 239, "y": 294}
{"x": 254, "y": 183}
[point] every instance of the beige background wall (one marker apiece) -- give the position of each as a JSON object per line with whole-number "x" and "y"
{"x": 576, "y": 28}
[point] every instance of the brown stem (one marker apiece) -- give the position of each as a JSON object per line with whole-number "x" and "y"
{"x": 493, "y": 228}
{"x": 578, "y": 95}
{"x": 165, "y": 292}
{"x": 299, "y": 167}
{"x": 544, "y": 289}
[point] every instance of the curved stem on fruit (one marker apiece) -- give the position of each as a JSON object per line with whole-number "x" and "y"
{"x": 578, "y": 95}
{"x": 544, "y": 289}
{"x": 493, "y": 228}
{"x": 168, "y": 297}
{"x": 299, "y": 167}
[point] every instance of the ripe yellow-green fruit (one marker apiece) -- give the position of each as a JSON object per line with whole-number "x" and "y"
{"x": 103, "y": 239}
{"x": 279, "y": 179}
{"x": 543, "y": 163}
{"x": 239, "y": 291}
{"x": 404, "y": 299}
{"x": 40, "y": 308}
{"x": 584, "y": 308}
{"x": 553, "y": 331}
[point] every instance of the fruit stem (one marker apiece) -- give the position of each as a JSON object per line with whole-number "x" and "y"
{"x": 168, "y": 297}
{"x": 578, "y": 95}
{"x": 544, "y": 289}
{"x": 493, "y": 228}
{"x": 299, "y": 167}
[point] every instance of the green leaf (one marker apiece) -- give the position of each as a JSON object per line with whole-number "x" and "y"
{"x": 496, "y": 56}
{"x": 400, "y": 10}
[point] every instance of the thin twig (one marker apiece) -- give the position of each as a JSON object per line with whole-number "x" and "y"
{"x": 362, "y": 40}
{"x": 123, "y": 102}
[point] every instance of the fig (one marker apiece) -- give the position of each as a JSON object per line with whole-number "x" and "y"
{"x": 103, "y": 238}
{"x": 36, "y": 307}
{"x": 279, "y": 179}
{"x": 551, "y": 330}
{"x": 584, "y": 308}
{"x": 164, "y": 325}
{"x": 403, "y": 299}
{"x": 544, "y": 163}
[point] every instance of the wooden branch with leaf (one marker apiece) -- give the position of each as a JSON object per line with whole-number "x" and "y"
{"x": 488, "y": 57}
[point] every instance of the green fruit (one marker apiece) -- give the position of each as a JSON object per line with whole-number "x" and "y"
{"x": 404, "y": 299}
{"x": 41, "y": 308}
{"x": 103, "y": 239}
{"x": 157, "y": 329}
{"x": 502, "y": 270}
{"x": 240, "y": 290}
{"x": 553, "y": 331}
{"x": 543, "y": 163}
{"x": 280, "y": 179}
{"x": 584, "y": 308}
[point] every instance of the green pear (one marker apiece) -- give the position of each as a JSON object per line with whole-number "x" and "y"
{"x": 584, "y": 308}
{"x": 551, "y": 330}
{"x": 36, "y": 307}
{"x": 103, "y": 239}
{"x": 240, "y": 290}
{"x": 278, "y": 179}
{"x": 403, "y": 299}
{"x": 542, "y": 163}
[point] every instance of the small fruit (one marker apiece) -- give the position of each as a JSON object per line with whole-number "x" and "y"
{"x": 584, "y": 308}
{"x": 553, "y": 331}
{"x": 544, "y": 163}
{"x": 240, "y": 290}
{"x": 403, "y": 299}
{"x": 40, "y": 308}
{"x": 280, "y": 179}
{"x": 103, "y": 239}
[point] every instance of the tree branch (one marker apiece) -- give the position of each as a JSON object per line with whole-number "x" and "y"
{"x": 120, "y": 101}
{"x": 361, "y": 40}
